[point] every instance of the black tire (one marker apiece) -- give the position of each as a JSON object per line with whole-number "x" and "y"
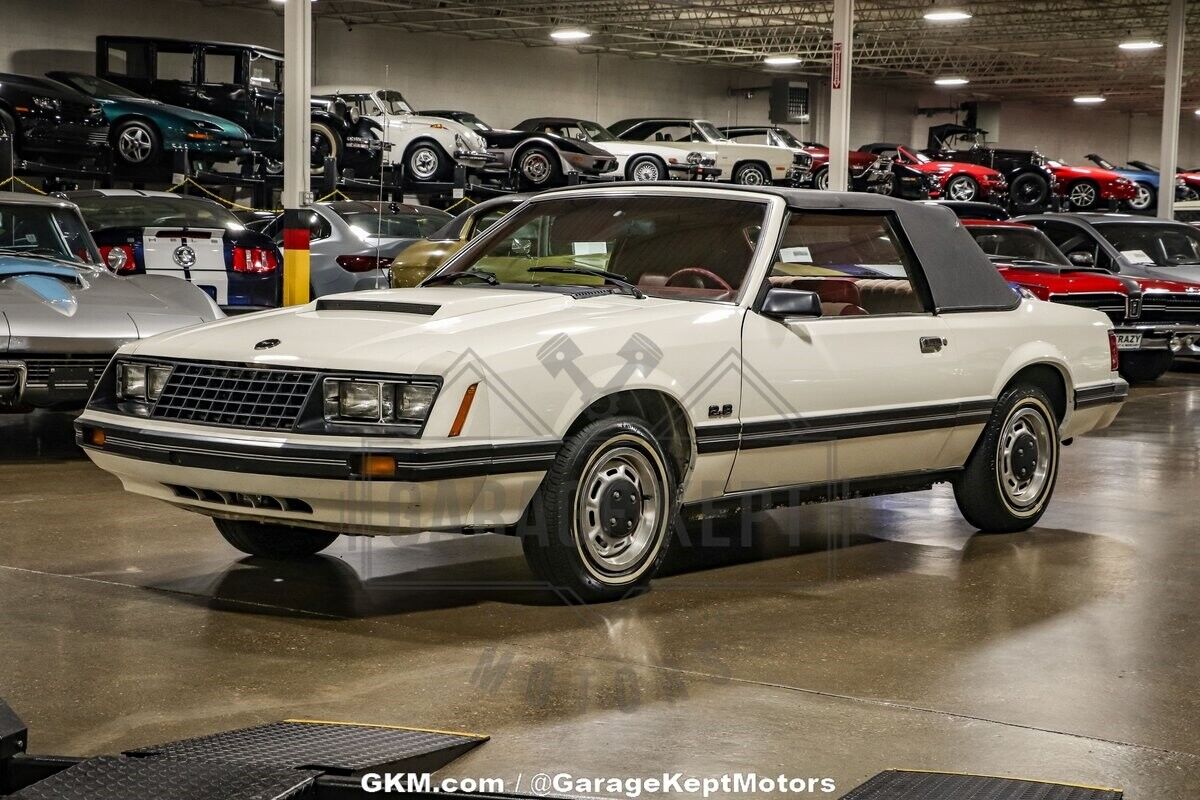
{"x": 538, "y": 168}
{"x": 646, "y": 168}
{"x": 556, "y": 546}
{"x": 1083, "y": 195}
{"x": 1145, "y": 199}
{"x": 323, "y": 142}
{"x": 425, "y": 161}
{"x": 978, "y": 491}
{"x": 962, "y": 187}
{"x": 136, "y": 143}
{"x": 1029, "y": 192}
{"x": 1146, "y": 367}
{"x": 752, "y": 173}
{"x": 820, "y": 179}
{"x": 273, "y": 541}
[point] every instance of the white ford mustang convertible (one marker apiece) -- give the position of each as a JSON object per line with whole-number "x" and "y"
{"x": 606, "y": 363}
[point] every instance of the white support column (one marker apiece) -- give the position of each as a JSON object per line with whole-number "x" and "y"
{"x": 839, "y": 95}
{"x": 297, "y": 88}
{"x": 1173, "y": 84}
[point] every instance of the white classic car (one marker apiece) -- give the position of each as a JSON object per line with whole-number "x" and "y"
{"x": 606, "y": 362}
{"x": 428, "y": 147}
{"x": 746, "y": 164}
{"x": 636, "y": 161}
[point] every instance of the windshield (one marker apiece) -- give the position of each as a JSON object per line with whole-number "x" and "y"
{"x": 410, "y": 223}
{"x": 694, "y": 248}
{"x": 45, "y": 231}
{"x": 581, "y": 130}
{"x": 709, "y": 131}
{"x": 136, "y": 211}
{"x": 1019, "y": 244}
{"x": 787, "y": 138}
{"x": 98, "y": 87}
{"x": 393, "y": 102}
{"x": 472, "y": 121}
{"x": 1164, "y": 245}
{"x": 594, "y": 132}
{"x": 1104, "y": 163}
{"x": 913, "y": 155}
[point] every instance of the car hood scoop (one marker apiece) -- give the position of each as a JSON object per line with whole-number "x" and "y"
{"x": 45, "y": 282}
{"x": 391, "y": 307}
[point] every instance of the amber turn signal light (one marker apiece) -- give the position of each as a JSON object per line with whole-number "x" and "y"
{"x": 95, "y": 437}
{"x": 378, "y": 466}
{"x": 464, "y": 408}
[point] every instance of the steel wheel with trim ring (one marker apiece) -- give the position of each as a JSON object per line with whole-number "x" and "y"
{"x": 1143, "y": 199}
{"x": 425, "y": 161}
{"x": 752, "y": 174}
{"x": 1083, "y": 196}
{"x": 1009, "y": 478}
{"x": 963, "y": 188}
{"x": 820, "y": 180}
{"x": 607, "y": 508}
{"x": 645, "y": 168}
{"x": 538, "y": 168}
{"x": 136, "y": 143}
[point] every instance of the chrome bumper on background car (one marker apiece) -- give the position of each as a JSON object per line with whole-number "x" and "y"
{"x": 49, "y": 380}
{"x": 1183, "y": 340}
{"x": 474, "y": 158}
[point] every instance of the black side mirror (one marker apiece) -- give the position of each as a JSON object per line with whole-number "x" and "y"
{"x": 1082, "y": 258}
{"x": 782, "y": 303}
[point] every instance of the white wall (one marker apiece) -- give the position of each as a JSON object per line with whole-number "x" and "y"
{"x": 505, "y": 83}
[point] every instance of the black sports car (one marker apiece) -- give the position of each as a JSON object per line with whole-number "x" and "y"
{"x": 539, "y": 159}
{"x": 46, "y": 121}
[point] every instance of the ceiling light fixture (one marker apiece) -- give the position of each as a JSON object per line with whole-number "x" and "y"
{"x": 1140, "y": 43}
{"x": 570, "y": 35}
{"x": 944, "y": 12}
{"x": 1089, "y": 99}
{"x": 951, "y": 81}
{"x": 781, "y": 61}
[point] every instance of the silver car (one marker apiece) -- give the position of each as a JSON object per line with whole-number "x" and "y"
{"x": 352, "y": 243}
{"x": 63, "y": 313}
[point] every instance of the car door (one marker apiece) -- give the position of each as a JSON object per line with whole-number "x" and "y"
{"x": 868, "y": 388}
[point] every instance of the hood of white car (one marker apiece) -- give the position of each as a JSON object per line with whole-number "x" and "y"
{"x": 413, "y": 330}
{"x": 402, "y": 121}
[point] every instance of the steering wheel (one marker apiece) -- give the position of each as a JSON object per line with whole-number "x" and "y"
{"x": 707, "y": 279}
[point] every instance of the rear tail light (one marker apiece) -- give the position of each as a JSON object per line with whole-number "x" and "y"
{"x": 1114, "y": 355}
{"x": 255, "y": 260}
{"x": 118, "y": 257}
{"x": 363, "y": 263}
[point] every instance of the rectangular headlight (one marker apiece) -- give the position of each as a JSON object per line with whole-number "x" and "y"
{"x": 156, "y": 380}
{"x": 380, "y": 402}
{"x": 131, "y": 381}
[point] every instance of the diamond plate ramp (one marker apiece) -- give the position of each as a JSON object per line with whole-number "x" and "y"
{"x": 121, "y": 778}
{"x": 911, "y": 785}
{"x": 334, "y": 747}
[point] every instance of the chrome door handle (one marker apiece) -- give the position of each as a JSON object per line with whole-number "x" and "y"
{"x": 933, "y": 344}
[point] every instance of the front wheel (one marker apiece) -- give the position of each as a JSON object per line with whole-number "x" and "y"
{"x": 820, "y": 179}
{"x": 751, "y": 174}
{"x": 1007, "y": 482}
{"x": 1146, "y": 367}
{"x": 136, "y": 143}
{"x": 271, "y": 540}
{"x": 963, "y": 188}
{"x": 426, "y": 162}
{"x": 1143, "y": 199}
{"x": 1084, "y": 196}
{"x": 645, "y": 168}
{"x": 324, "y": 143}
{"x": 607, "y": 507}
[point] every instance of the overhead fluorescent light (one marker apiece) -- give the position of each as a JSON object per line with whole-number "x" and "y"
{"x": 570, "y": 34}
{"x": 1089, "y": 99}
{"x": 951, "y": 81}
{"x": 781, "y": 61}
{"x": 1140, "y": 43}
{"x": 937, "y": 14}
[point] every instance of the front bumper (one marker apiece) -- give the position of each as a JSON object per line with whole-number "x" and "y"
{"x": 318, "y": 481}
{"x": 693, "y": 172}
{"x": 49, "y": 381}
{"x": 474, "y": 159}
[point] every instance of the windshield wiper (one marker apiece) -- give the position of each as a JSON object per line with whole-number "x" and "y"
{"x": 451, "y": 277}
{"x": 610, "y": 278}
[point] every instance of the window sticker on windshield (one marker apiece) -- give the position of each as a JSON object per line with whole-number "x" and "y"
{"x": 1137, "y": 256}
{"x": 590, "y": 248}
{"x": 795, "y": 255}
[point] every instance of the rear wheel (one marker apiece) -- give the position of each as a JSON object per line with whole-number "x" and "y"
{"x": 538, "y": 168}
{"x": 606, "y": 507}
{"x": 751, "y": 174}
{"x": 270, "y": 540}
{"x": 1145, "y": 367}
{"x": 1007, "y": 482}
{"x": 1029, "y": 192}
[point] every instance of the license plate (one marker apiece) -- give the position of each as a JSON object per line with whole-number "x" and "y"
{"x": 1129, "y": 341}
{"x": 71, "y": 377}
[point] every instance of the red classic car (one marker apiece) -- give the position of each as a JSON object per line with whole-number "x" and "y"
{"x": 1086, "y": 188}
{"x": 955, "y": 180}
{"x": 868, "y": 172}
{"x": 1147, "y": 340}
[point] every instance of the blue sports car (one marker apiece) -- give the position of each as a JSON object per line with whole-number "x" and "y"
{"x": 1146, "y": 181}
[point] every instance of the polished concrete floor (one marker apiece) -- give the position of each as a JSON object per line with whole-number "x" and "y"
{"x": 843, "y": 640}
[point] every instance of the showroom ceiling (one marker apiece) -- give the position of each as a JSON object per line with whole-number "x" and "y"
{"x": 1034, "y": 49}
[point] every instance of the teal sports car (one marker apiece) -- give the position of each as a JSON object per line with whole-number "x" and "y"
{"x": 144, "y": 131}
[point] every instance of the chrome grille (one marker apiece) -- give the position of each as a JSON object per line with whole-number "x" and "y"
{"x": 10, "y": 379}
{"x": 240, "y": 397}
{"x": 1111, "y": 303}
{"x": 39, "y": 369}
{"x": 1171, "y": 307}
